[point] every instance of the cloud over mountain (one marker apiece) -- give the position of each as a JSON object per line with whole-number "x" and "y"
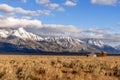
{"x": 55, "y": 30}
{"x": 17, "y": 22}
{"x": 30, "y": 13}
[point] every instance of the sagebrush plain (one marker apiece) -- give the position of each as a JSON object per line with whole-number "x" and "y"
{"x": 39, "y": 67}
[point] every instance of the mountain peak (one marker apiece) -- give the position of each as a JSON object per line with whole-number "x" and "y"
{"x": 95, "y": 42}
{"x": 21, "y": 29}
{"x": 23, "y": 34}
{"x": 3, "y": 33}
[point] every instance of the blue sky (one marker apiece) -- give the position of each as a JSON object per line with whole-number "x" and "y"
{"x": 78, "y": 15}
{"x": 84, "y": 13}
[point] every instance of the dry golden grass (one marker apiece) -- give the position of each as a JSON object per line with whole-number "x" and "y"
{"x": 36, "y": 67}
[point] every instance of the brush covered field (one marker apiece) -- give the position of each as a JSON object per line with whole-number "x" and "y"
{"x": 37, "y": 67}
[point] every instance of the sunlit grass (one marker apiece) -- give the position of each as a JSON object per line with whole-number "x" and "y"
{"x": 35, "y": 67}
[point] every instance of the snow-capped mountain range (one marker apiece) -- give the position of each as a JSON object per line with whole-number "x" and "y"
{"x": 100, "y": 45}
{"x": 19, "y": 40}
{"x": 96, "y": 42}
{"x": 117, "y": 47}
{"x": 20, "y": 33}
{"x": 4, "y": 33}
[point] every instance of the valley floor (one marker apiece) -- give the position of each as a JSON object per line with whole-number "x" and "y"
{"x": 38, "y": 67}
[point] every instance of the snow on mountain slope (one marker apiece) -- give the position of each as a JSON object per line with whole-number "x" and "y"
{"x": 64, "y": 41}
{"x": 117, "y": 47}
{"x": 68, "y": 44}
{"x": 95, "y": 42}
{"x": 23, "y": 34}
{"x": 63, "y": 38}
{"x": 16, "y": 40}
{"x": 100, "y": 45}
{"x": 4, "y": 33}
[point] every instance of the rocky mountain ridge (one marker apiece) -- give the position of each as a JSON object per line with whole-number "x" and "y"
{"x": 19, "y": 40}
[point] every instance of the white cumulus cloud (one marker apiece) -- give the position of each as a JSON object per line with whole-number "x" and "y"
{"x": 50, "y": 5}
{"x": 16, "y": 22}
{"x": 105, "y": 2}
{"x": 11, "y": 10}
{"x": 55, "y": 30}
{"x": 61, "y": 28}
{"x": 70, "y": 3}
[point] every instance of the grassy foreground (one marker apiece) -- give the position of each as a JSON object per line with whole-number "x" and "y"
{"x": 35, "y": 67}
